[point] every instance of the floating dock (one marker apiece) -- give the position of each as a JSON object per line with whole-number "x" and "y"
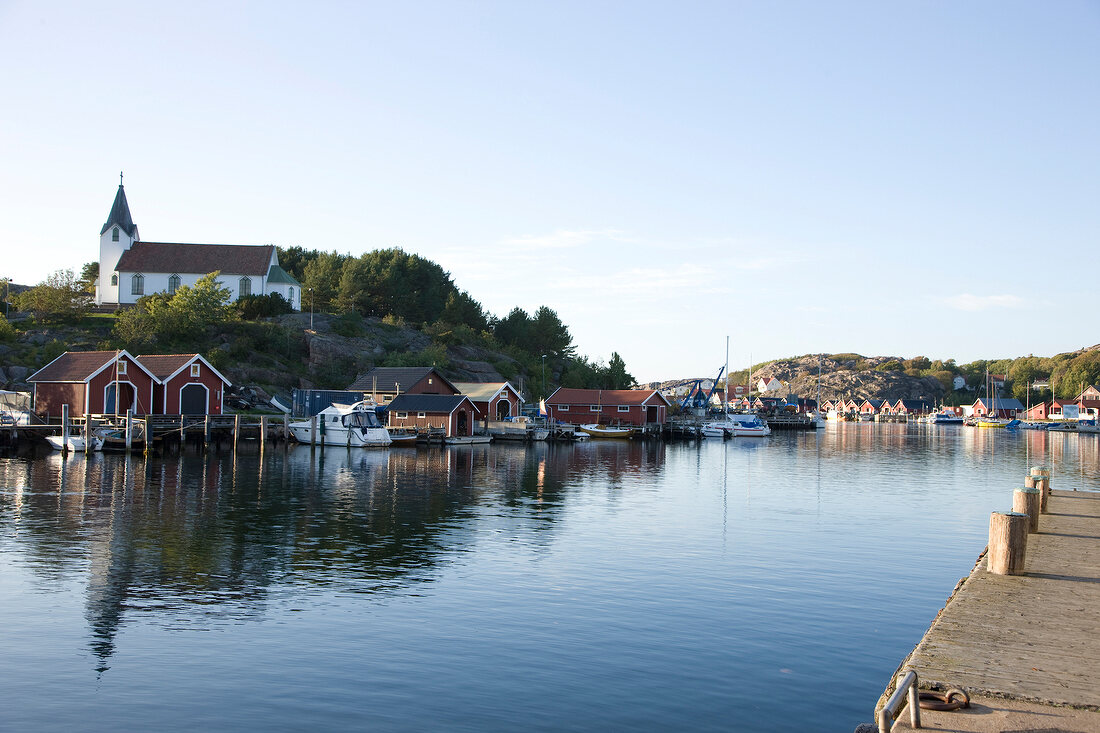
{"x": 1025, "y": 647}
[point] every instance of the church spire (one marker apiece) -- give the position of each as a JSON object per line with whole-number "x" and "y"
{"x": 120, "y": 213}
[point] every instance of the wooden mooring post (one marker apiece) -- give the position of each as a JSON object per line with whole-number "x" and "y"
{"x": 148, "y": 423}
{"x": 64, "y": 428}
{"x": 236, "y": 429}
{"x": 313, "y": 432}
{"x": 1026, "y": 501}
{"x": 263, "y": 432}
{"x": 1007, "y": 543}
{"x": 129, "y": 429}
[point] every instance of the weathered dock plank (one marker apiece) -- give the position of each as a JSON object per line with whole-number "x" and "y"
{"x": 1031, "y": 639}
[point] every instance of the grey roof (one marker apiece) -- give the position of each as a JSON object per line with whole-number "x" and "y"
{"x": 120, "y": 215}
{"x": 438, "y": 403}
{"x": 1001, "y": 403}
{"x": 386, "y": 377}
{"x": 481, "y": 391}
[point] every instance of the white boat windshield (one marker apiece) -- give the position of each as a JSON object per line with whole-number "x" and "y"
{"x": 363, "y": 420}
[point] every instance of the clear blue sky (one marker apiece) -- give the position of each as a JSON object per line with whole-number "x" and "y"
{"x": 883, "y": 178}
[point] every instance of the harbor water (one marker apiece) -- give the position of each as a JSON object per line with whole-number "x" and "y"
{"x": 754, "y": 585}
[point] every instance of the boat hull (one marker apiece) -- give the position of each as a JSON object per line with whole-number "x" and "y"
{"x": 338, "y": 435}
{"x": 605, "y": 431}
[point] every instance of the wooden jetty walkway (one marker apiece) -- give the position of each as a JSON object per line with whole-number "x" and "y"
{"x": 1025, "y": 647}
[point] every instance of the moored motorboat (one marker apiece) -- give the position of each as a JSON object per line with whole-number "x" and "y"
{"x": 944, "y": 418}
{"x": 596, "y": 430}
{"x": 76, "y": 443}
{"x": 735, "y": 423}
{"x": 355, "y": 426}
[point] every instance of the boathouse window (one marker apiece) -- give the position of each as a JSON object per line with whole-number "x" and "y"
{"x": 624, "y": 408}
{"x": 122, "y": 367}
{"x": 173, "y": 284}
{"x": 194, "y": 370}
{"x": 114, "y": 279}
{"x": 563, "y": 408}
{"x": 137, "y": 285}
{"x": 114, "y": 235}
{"x": 401, "y": 415}
{"x": 245, "y": 287}
{"x": 421, "y": 415}
{"x": 594, "y": 408}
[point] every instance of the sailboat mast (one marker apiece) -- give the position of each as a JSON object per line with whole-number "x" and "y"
{"x": 726, "y": 391}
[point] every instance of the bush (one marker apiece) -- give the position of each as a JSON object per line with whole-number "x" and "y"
{"x": 251, "y": 307}
{"x": 7, "y": 331}
{"x": 348, "y": 325}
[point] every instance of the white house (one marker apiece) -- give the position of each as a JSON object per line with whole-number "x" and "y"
{"x": 768, "y": 384}
{"x": 130, "y": 268}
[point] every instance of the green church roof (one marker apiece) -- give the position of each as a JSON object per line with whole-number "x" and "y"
{"x": 278, "y": 276}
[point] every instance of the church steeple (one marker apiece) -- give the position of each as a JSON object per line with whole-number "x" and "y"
{"x": 117, "y": 235}
{"x": 120, "y": 214}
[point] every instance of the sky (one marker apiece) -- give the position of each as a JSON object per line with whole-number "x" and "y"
{"x": 883, "y": 178}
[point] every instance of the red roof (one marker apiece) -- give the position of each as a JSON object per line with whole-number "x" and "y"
{"x": 230, "y": 259}
{"x": 570, "y": 396}
{"x": 74, "y": 366}
{"x": 164, "y": 366}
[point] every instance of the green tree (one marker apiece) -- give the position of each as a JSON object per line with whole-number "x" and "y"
{"x": 514, "y": 329}
{"x": 295, "y": 259}
{"x": 180, "y": 319}
{"x": 322, "y": 274}
{"x": 89, "y": 277}
{"x": 549, "y": 335}
{"x": 392, "y": 282}
{"x": 617, "y": 376}
{"x": 59, "y": 298}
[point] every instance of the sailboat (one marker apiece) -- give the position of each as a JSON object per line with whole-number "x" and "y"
{"x": 990, "y": 420}
{"x": 735, "y": 424}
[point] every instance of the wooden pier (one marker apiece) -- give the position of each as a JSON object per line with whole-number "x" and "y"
{"x": 1025, "y": 647}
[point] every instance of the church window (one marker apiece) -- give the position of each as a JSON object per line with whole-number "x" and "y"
{"x": 290, "y": 295}
{"x": 114, "y": 235}
{"x": 114, "y": 279}
{"x": 173, "y": 284}
{"x": 245, "y": 287}
{"x": 137, "y": 285}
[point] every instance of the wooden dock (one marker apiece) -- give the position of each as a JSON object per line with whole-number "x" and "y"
{"x": 1026, "y": 647}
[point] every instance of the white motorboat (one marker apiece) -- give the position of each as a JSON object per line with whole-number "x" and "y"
{"x": 76, "y": 443}
{"x": 736, "y": 423}
{"x": 944, "y": 418}
{"x": 355, "y": 426}
{"x": 595, "y": 430}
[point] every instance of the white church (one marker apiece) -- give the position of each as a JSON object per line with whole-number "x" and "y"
{"x": 130, "y": 268}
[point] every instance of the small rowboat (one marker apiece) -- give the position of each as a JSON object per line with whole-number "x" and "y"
{"x": 606, "y": 431}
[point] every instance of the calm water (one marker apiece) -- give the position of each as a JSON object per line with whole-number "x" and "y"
{"x": 756, "y": 585}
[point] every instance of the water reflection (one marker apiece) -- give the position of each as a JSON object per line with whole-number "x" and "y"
{"x": 196, "y": 540}
{"x": 591, "y": 571}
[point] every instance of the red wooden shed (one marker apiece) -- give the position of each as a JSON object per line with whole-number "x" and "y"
{"x": 89, "y": 382}
{"x": 187, "y": 384}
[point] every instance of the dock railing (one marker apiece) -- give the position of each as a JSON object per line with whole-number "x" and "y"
{"x": 906, "y": 693}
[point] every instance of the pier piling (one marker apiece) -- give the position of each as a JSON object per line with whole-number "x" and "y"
{"x": 1026, "y": 501}
{"x": 1007, "y": 542}
{"x": 64, "y": 428}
